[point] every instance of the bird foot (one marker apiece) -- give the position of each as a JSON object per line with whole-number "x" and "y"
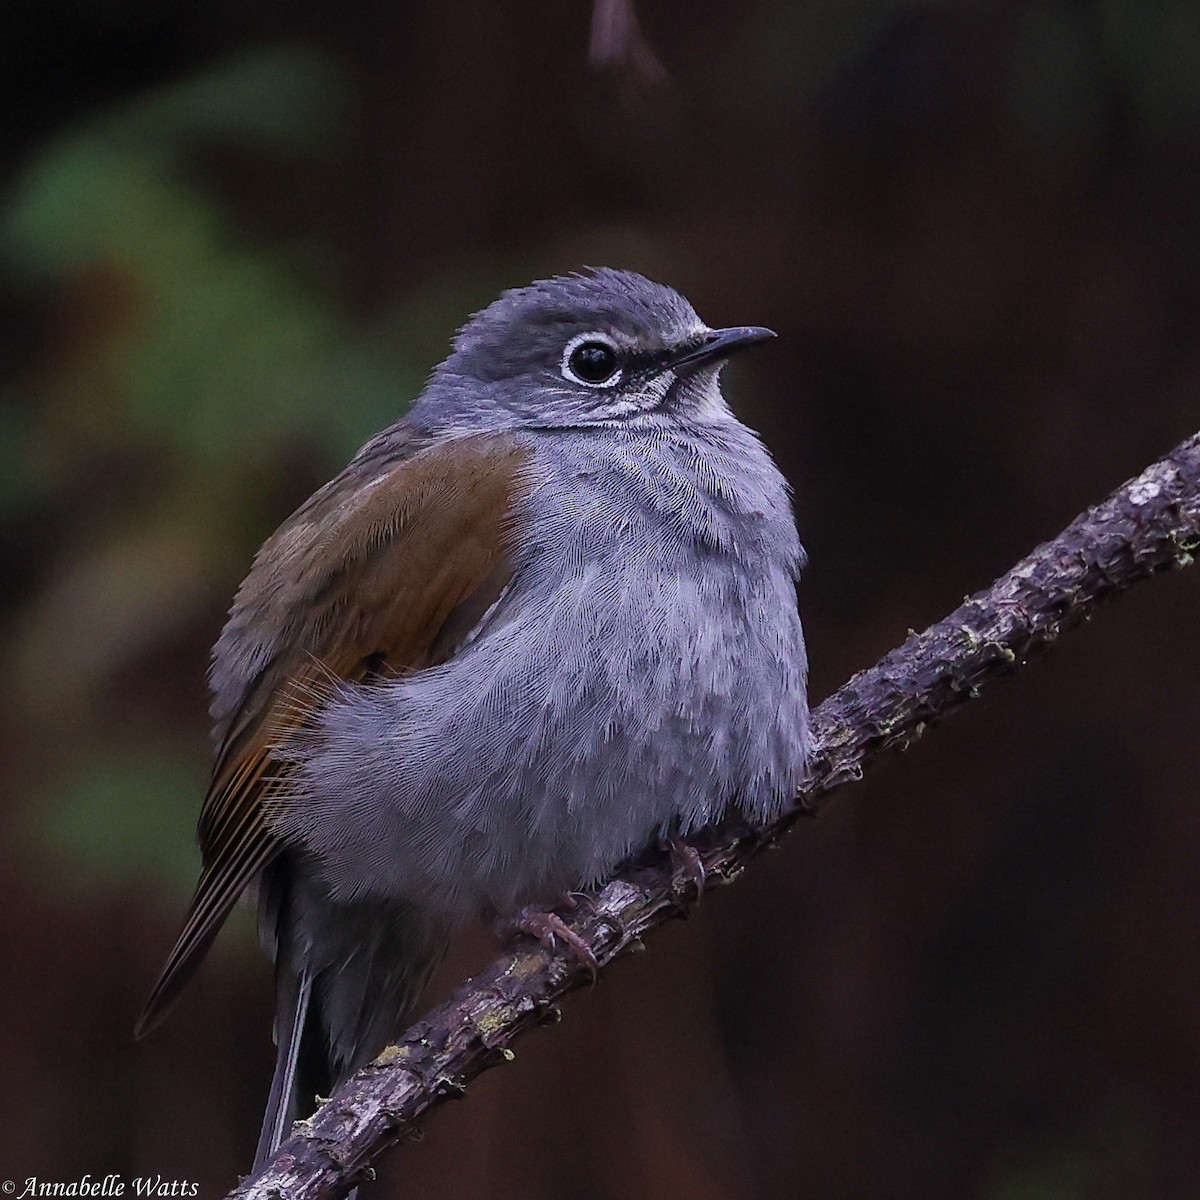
{"x": 550, "y": 930}
{"x": 687, "y": 858}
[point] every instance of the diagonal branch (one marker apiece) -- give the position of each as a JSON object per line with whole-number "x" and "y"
{"x": 1150, "y": 524}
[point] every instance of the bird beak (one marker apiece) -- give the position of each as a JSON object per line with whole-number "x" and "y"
{"x": 717, "y": 345}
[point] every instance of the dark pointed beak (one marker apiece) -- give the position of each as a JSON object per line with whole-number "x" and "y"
{"x": 719, "y": 344}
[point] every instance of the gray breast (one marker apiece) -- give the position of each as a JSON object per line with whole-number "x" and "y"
{"x": 645, "y": 667}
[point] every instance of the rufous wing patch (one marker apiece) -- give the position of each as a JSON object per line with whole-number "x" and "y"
{"x": 385, "y": 569}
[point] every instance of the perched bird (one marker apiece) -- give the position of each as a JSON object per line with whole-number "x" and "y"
{"x": 545, "y": 617}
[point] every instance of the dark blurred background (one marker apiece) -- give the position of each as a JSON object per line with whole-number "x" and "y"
{"x": 233, "y": 239}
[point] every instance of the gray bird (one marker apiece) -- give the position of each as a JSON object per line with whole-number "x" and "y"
{"x": 547, "y": 616}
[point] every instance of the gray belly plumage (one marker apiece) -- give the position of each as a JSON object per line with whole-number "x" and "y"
{"x": 645, "y": 668}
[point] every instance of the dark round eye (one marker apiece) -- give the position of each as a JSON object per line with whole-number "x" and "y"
{"x": 593, "y": 362}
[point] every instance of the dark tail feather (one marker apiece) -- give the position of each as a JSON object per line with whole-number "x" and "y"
{"x": 347, "y": 979}
{"x": 291, "y": 1021}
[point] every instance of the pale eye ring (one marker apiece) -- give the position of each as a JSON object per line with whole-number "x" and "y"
{"x": 592, "y": 359}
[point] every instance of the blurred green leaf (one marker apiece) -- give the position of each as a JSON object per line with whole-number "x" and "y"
{"x": 123, "y": 816}
{"x": 117, "y": 187}
{"x": 220, "y": 353}
{"x": 285, "y": 98}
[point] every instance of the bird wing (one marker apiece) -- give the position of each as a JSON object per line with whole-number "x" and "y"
{"x": 385, "y": 569}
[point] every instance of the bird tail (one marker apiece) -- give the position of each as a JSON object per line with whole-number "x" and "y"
{"x": 348, "y": 977}
{"x": 293, "y": 992}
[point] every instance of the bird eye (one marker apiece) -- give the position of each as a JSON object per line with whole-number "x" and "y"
{"x": 591, "y": 360}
